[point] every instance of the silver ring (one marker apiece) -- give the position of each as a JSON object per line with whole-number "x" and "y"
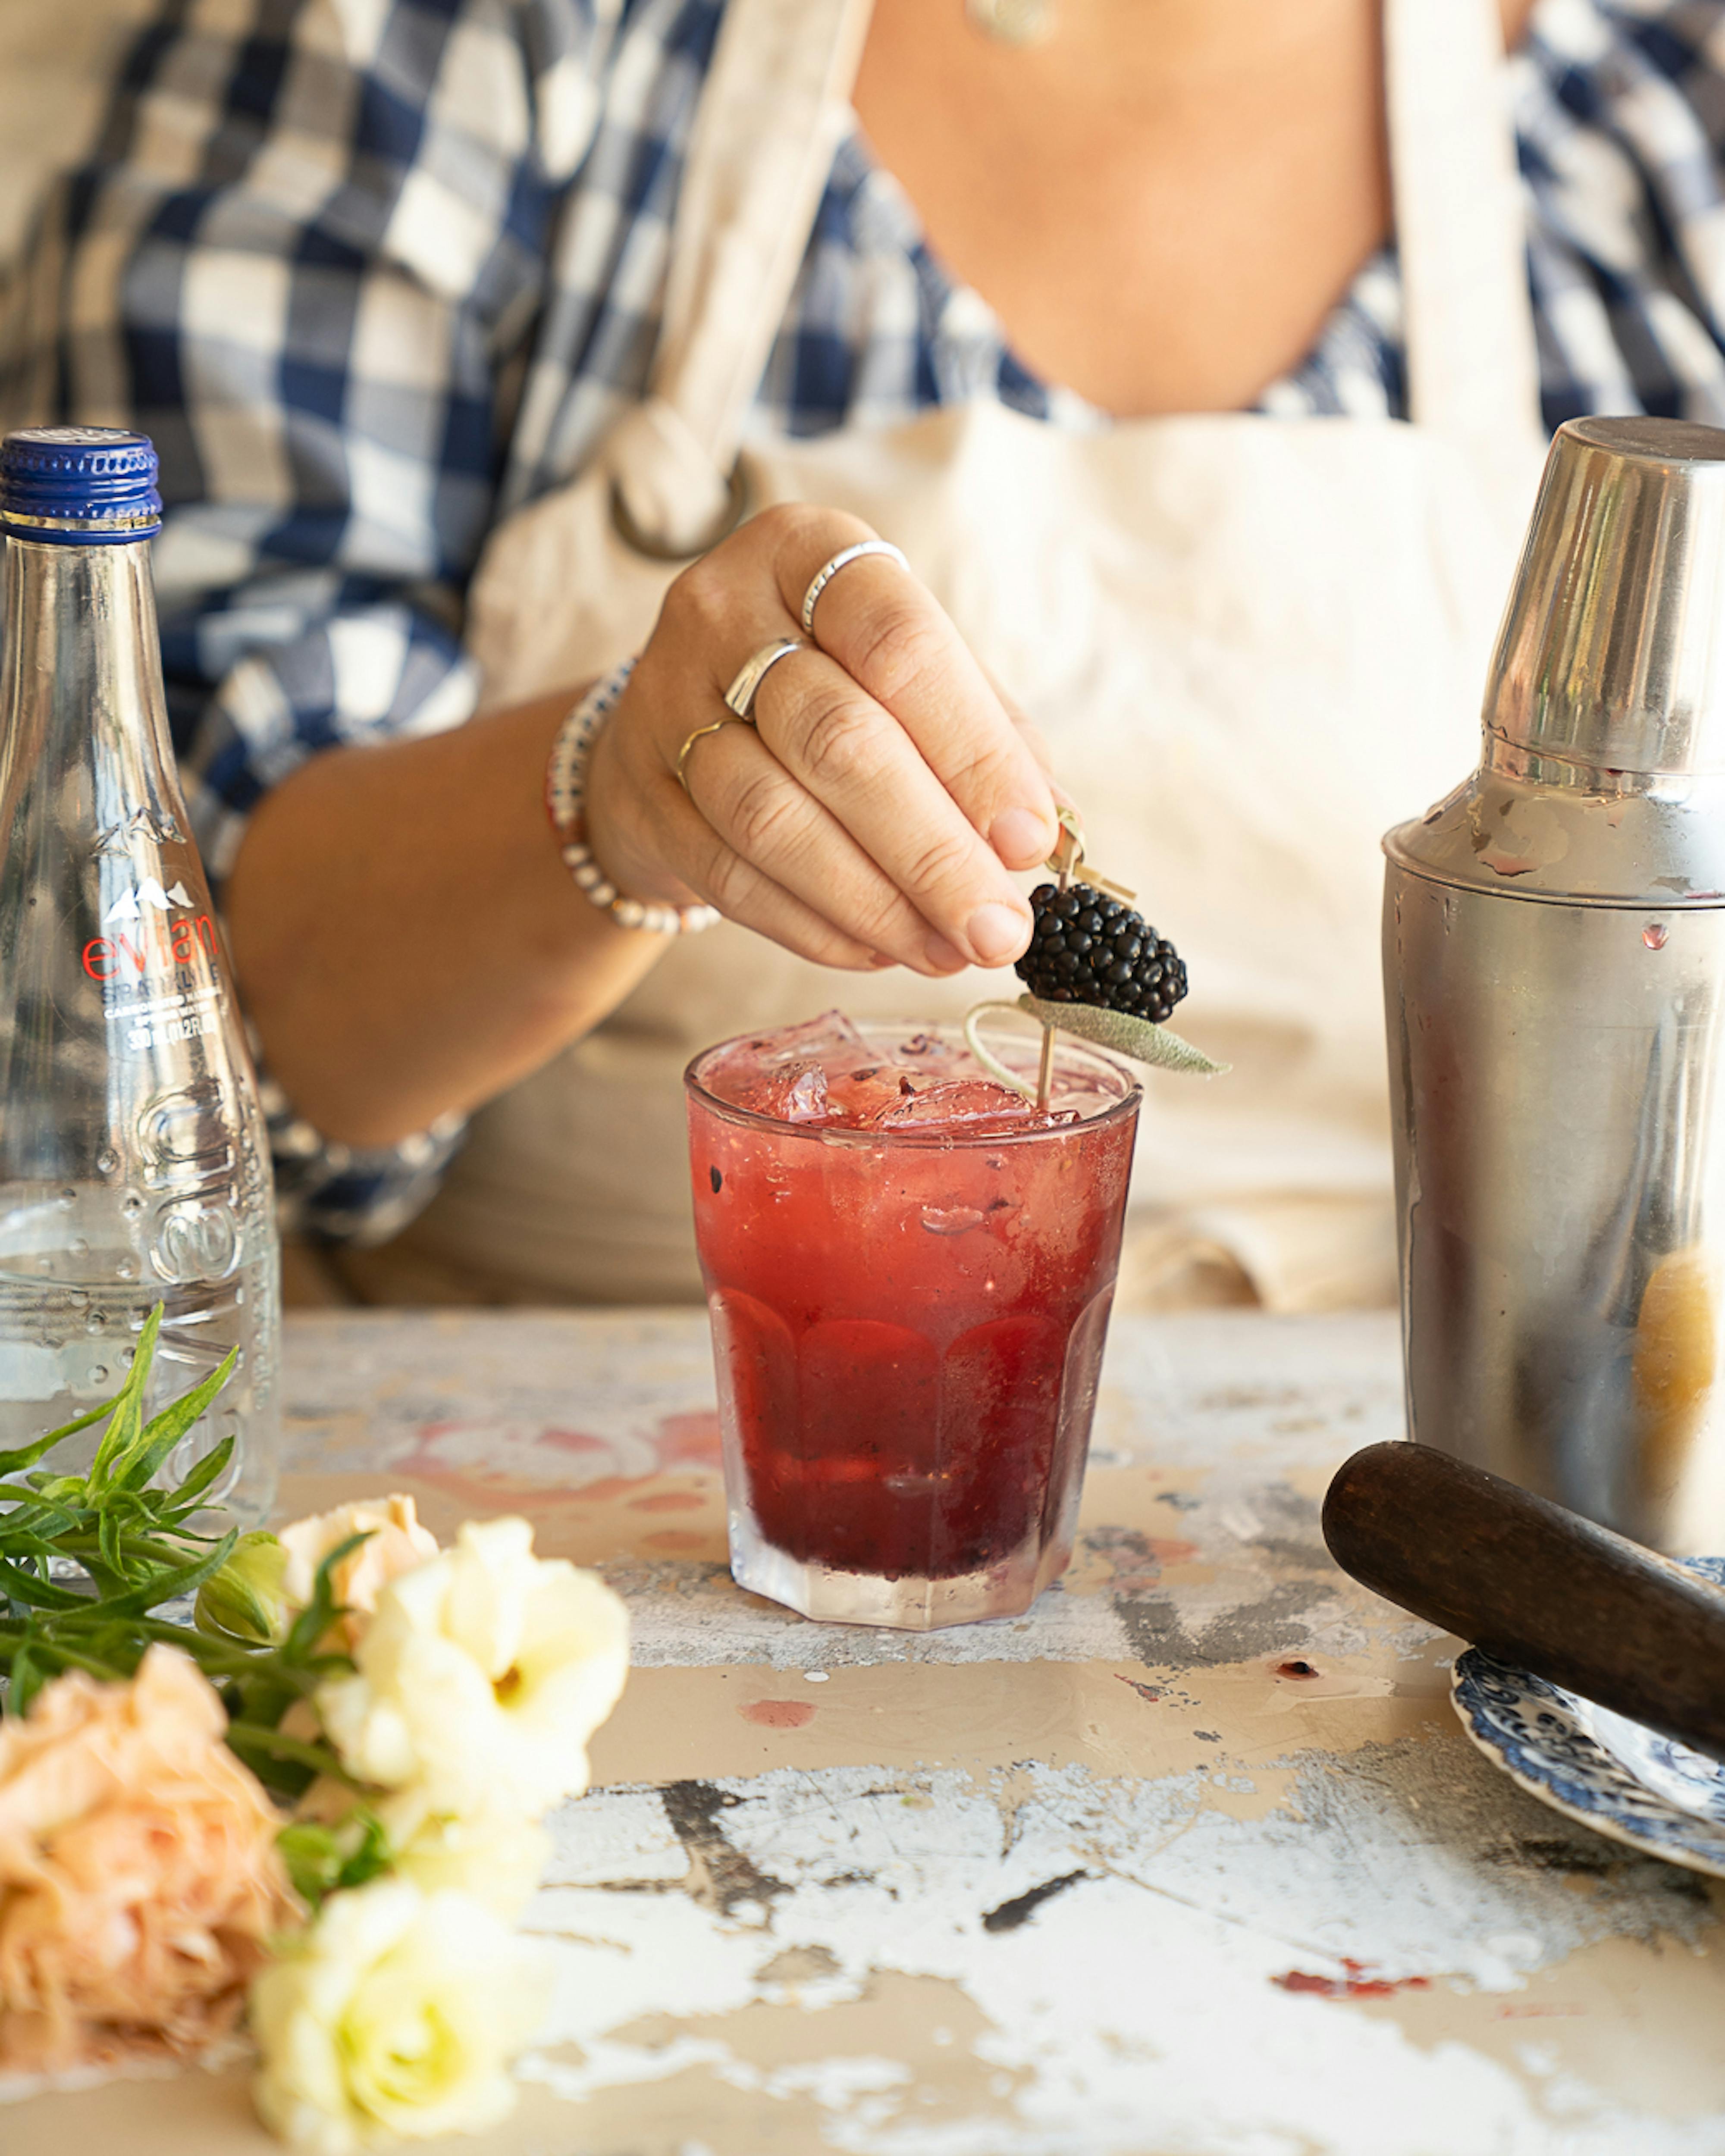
{"x": 822, "y": 576}
{"x": 742, "y": 694}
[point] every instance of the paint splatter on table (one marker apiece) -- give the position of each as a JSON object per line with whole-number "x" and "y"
{"x": 1193, "y": 1860}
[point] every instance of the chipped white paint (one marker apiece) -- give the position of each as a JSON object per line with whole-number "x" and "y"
{"x": 1192, "y": 1861}
{"x": 1143, "y": 1994}
{"x": 1132, "y": 1992}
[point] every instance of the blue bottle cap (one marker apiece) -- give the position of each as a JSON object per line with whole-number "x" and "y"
{"x": 79, "y": 486}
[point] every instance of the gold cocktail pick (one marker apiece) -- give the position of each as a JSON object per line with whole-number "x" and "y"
{"x": 1115, "y": 1031}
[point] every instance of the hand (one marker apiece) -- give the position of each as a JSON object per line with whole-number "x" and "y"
{"x": 870, "y": 814}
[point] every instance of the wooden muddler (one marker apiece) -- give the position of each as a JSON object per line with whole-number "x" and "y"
{"x": 1535, "y": 1585}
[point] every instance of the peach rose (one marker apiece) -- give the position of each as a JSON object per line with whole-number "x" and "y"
{"x": 139, "y": 1876}
{"x": 395, "y": 1543}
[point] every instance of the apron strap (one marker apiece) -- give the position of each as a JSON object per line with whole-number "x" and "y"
{"x": 1460, "y": 219}
{"x": 774, "y": 109}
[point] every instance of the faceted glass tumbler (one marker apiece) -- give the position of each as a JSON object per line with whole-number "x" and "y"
{"x": 908, "y": 1326}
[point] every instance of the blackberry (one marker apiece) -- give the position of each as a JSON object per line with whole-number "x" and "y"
{"x": 1088, "y": 948}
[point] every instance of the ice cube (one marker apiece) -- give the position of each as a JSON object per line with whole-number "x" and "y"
{"x": 795, "y": 1094}
{"x": 829, "y": 1040}
{"x": 823, "y": 1041}
{"x": 965, "y": 1103}
{"x": 868, "y": 1091}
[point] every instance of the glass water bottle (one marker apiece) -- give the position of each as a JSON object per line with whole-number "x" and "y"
{"x": 134, "y": 1168}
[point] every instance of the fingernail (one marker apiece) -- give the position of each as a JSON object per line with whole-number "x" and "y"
{"x": 879, "y": 961}
{"x": 996, "y": 933}
{"x": 1020, "y": 837}
{"x": 940, "y": 955}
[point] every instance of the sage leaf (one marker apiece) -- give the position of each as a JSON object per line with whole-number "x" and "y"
{"x": 1133, "y": 1037}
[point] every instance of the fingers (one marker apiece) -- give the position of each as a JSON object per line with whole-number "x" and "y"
{"x": 874, "y": 813}
{"x": 850, "y": 756}
{"x": 779, "y": 854}
{"x": 887, "y": 632}
{"x": 721, "y": 841}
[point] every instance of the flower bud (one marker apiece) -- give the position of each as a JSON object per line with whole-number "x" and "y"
{"x": 248, "y": 1597}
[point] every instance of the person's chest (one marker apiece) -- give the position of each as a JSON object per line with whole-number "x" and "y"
{"x": 1164, "y": 200}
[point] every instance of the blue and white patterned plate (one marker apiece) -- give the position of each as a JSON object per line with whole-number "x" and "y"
{"x": 1613, "y": 1774}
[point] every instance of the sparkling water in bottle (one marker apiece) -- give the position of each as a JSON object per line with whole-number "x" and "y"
{"x": 134, "y": 1168}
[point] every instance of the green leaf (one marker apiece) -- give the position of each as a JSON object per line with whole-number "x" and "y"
{"x": 27, "y": 1677}
{"x": 60, "y": 1655}
{"x": 1133, "y": 1037}
{"x": 20, "y": 1543}
{"x": 163, "y": 1586}
{"x": 108, "y": 1541}
{"x": 37, "y": 1594}
{"x": 322, "y": 1610}
{"x": 182, "y": 1500}
{"x": 137, "y": 1550}
{"x": 27, "y": 1456}
{"x": 313, "y": 1859}
{"x": 165, "y": 1431}
{"x": 127, "y": 1419}
{"x": 250, "y": 1737}
{"x": 325, "y": 1859}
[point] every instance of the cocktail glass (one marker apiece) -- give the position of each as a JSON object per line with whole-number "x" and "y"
{"x": 909, "y": 1273}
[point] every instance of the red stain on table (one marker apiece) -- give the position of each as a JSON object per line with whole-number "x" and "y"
{"x": 689, "y": 1440}
{"x": 560, "y": 1440}
{"x": 777, "y": 1713}
{"x": 1356, "y": 1984}
{"x": 667, "y": 1501}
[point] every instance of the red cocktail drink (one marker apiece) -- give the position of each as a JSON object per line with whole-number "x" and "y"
{"x": 909, "y": 1270}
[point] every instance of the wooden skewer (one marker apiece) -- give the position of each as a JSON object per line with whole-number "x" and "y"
{"x": 1067, "y": 856}
{"x": 1045, "y": 1071}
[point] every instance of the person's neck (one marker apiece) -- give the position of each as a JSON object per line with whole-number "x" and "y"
{"x": 1164, "y": 201}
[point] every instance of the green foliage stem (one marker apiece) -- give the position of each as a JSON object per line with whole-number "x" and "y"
{"x": 134, "y": 1547}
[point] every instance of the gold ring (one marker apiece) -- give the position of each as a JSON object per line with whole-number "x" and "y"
{"x": 730, "y": 719}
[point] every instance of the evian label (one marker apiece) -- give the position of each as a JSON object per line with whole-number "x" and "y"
{"x": 151, "y": 939}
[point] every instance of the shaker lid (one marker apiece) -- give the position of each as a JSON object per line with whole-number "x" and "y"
{"x": 1612, "y": 650}
{"x": 1603, "y": 776}
{"x": 79, "y": 486}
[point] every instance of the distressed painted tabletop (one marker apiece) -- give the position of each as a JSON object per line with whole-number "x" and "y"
{"x": 1193, "y": 1860}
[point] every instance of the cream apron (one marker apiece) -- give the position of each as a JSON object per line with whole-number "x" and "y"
{"x": 1253, "y": 645}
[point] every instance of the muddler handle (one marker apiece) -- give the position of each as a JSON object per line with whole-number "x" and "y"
{"x": 1535, "y": 1585}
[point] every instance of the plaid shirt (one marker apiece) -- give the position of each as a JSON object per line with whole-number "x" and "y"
{"x": 374, "y": 273}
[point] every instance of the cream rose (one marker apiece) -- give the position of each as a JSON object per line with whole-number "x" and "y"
{"x": 139, "y": 1875}
{"x": 480, "y": 1677}
{"x": 396, "y": 1543}
{"x": 494, "y": 1854}
{"x": 394, "y": 2018}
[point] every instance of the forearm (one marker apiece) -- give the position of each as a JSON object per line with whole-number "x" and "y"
{"x": 407, "y": 940}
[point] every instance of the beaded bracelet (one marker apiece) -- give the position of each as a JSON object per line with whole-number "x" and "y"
{"x": 565, "y": 797}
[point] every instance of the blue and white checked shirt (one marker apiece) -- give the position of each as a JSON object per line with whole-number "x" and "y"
{"x": 375, "y": 272}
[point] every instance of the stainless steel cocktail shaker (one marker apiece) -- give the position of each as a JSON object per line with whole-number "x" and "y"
{"x": 1554, "y": 961}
